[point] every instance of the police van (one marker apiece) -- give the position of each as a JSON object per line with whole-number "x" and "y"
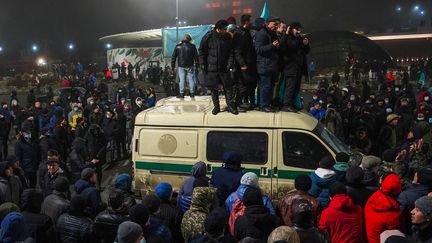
{"x": 172, "y": 136}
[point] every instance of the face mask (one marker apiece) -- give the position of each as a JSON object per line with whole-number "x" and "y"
{"x": 91, "y": 102}
{"x": 27, "y": 136}
{"x": 139, "y": 102}
{"x": 386, "y": 101}
{"x": 397, "y": 89}
{"x": 389, "y": 110}
{"x": 76, "y": 109}
{"x": 314, "y": 97}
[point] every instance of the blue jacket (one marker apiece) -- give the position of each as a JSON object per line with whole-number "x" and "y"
{"x": 92, "y": 196}
{"x": 317, "y": 113}
{"x": 229, "y": 202}
{"x": 226, "y": 180}
{"x": 407, "y": 198}
{"x": 7, "y": 115}
{"x": 24, "y": 153}
{"x": 157, "y": 228}
{"x": 13, "y": 228}
{"x": 320, "y": 187}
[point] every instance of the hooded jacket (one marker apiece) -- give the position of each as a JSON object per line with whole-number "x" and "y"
{"x": 321, "y": 181}
{"x": 91, "y": 194}
{"x": 226, "y": 179}
{"x": 185, "y": 194}
{"x": 192, "y": 224}
{"x": 257, "y": 222}
{"x": 78, "y": 159}
{"x": 13, "y": 228}
{"x": 382, "y": 211}
{"x": 55, "y": 205}
{"x": 229, "y": 202}
{"x": 343, "y": 220}
{"x": 124, "y": 183}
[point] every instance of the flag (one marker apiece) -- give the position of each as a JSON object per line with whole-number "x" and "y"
{"x": 169, "y": 36}
{"x": 266, "y": 12}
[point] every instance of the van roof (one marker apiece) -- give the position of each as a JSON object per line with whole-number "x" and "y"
{"x": 196, "y": 112}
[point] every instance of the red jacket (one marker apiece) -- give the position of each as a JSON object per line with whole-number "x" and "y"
{"x": 343, "y": 220}
{"x": 382, "y": 211}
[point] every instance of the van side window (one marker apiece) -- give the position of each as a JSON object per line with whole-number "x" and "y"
{"x": 302, "y": 150}
{"x": 253, "y": 146}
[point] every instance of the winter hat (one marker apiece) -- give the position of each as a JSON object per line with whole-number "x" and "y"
{"x": 302, "y": 213}
{"x": 295, "y": 25}
{"x": 303, "y": 183}
{"x": 216, "y": 221}
{"x": 392, "y": 117}
{"x": 14, "y": 228}
{"x": 252, "y": 197}
{"x": 87, "y": 173}
{"x": 327, "y": 163}
{"x": 249, "y": 179}
{"x": 391, "y": 185}
{"x": 354, "y": 175}
{"x": 232, "y": 158}
{"x": 342, "y": 157}
{"x": 139, "y": 214}
{"x": 424, "y": 204}
{"x": 77, "y": 205}
{"x": 221, "y": 24}
{"x": 341, "y": 166}
{"x": 129, "y": 232}
{"x": 285, "y": 234}
{"x": 6, "y": 208}
{"x": 61, "y": 184}
{"x": 163, "y": 190}
{"x": 389, "y": 155}
{"x": 152, "y": 202}
{"x": 345, "y": 89}
{"x": 395, "y": 234}
{"x": 397, "y": 239}
{"x": 200, "y": 182}
{"x": 123, "y": 182}
{"x": 337, "y": 188}
{"x": 370, "y": 162}
{"x": 259, "y": 23}
{"x": 424, "y": 176}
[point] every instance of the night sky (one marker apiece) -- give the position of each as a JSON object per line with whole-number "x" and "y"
{"x": 52, "y": 24}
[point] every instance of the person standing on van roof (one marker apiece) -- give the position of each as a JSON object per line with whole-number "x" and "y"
{"x": 184, "y": 197}
{"x": 227, "y": 178}
{"x": 186, "y": 55}
{"x": 248, "y": 180}
{"x": 216, "y": 57}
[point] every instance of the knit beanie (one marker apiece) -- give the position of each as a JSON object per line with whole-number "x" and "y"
{"x": 342, "y": 157}
{"x": 327, "y": 163}
{"x": 232, "y": 158}
{"x": 424, "y": 176}
{"x": 284, "y": 234}
{"x": 369, "y": 162}
{"x": 139, "y": 214}
{"x": 87, "y": 173}
{"x": 129, "y": 232}
{"x": 163, "y": 190}
{"x": 391, "y": 185}
{"x": 391, "y": 236}
{"x": 252, "y": 196}
{"x": 424, "y": 204}
{"x": 152, "y": 202}
{"x": 249, "y": 179}
{"x": 61, "y": 184}
{"x": 389, "y": 155}
{"x": 303, "y": 183}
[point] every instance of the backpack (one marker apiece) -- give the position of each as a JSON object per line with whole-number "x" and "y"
{"x": 237, "y": 210}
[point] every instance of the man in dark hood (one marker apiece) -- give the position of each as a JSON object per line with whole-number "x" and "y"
{"x": 86, "y": 187}
{"x": 227, "y": 178}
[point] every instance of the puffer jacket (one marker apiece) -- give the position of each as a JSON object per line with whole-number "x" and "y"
{"x": 26, "y": 156}
{"x": 186, "y": 55}
{"x": 284, "y": 206}
{"x": 73, "y": 229}
{"x": 321, "y": 181}
{"x": 382, "y": 211}
{"x": 226, "y": 180}
{"x": 184, "y": 197}
{"x": 192, "y": 224}
{"x": 343, "y": 220}
{"x": 92, "y": 196}
{"x": 14, "y": 229}
{"x": 294, "y": 55}
{"x": 229, "y": 202}
{"x": 257, "y": 222}
{"x": 267, "y": 54}
{"x": 216, "y": 52}
{"x": 55, "y": 205}
{"x": 39, "y": 226}
{"x": 107, "y": 222}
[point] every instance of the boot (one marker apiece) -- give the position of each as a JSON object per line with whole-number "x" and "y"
{"x": 192, "y": 95}
{"x": 232, "y": 107}
{"x": 180, "y": 96}
{"x": 215, "y": 99}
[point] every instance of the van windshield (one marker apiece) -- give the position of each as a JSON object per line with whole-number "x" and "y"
{"x": 335, "y": 143}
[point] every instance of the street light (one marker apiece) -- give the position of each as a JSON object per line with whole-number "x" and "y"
{"x": 41, "y": 62}
{"x": 422, "y": 12}
{"x": 108, "y": 46}
{"x": 35, "y": 48}
{"x": 1, "y": 48}
{"x": 416, "y": 8}
{"x": 398, "y": 9}
{"x": 71, "y": 47}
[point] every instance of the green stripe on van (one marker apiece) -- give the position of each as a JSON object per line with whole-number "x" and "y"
{"x": 179, "y": 168}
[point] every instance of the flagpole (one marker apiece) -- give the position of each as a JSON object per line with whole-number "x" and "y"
{"x": 177, "y": 21}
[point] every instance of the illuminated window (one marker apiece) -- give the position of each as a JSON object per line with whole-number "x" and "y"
{"x": 208, "y": 5}
{"x": 247, "y": 11}
{"x": 236, "y": 3}
{"x": 236, "y": 11}
{"x": 216, "y": 5}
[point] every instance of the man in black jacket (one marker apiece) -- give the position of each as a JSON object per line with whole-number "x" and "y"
{"x": 216, "y": 57}
{"x": 246, "y": 64}
{"x": 294, "y": 48}
{"x": 186, "y": 55}
{"x": 267, "y": 48}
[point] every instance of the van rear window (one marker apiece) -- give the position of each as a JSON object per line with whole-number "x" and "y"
{"x": 253, "y": 146}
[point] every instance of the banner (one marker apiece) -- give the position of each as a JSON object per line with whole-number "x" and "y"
{"x": 169, "y": 37}
{"x": 142, "y": 56}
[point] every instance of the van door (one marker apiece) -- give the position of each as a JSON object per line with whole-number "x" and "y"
{"x": 298, "y": 152}
{"x": 255, "y": 146}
